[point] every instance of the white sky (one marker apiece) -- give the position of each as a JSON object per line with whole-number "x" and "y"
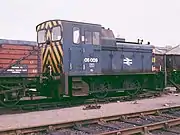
{"x": 157, "y": 21}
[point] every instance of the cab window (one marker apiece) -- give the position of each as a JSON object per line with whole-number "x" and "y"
{"x": 88, "y": 37}
{"x": 76, "y": 35}
{"x": 56, "y": 33}
{"x": 96, "y": 38}
{"x": 41, "y": 36}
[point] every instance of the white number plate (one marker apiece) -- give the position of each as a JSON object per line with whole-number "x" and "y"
{"x": 91, "y": 60}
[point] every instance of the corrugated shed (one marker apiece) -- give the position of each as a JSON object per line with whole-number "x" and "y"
{"x": 17, "y": 42}
{"x": 174, "y": 51}
{"x": 162, "y": 50}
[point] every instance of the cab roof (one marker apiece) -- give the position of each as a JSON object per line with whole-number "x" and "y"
{"x": 68, "y": 21}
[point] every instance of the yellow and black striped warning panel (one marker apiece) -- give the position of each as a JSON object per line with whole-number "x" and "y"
{"x": 52, "y": 54}
{"x": 48, "y": 25}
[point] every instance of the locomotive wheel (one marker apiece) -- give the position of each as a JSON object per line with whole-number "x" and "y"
{"x": 102, "y": 90}
{"x": 133, "y": 87}
{"x": 9, "y": 96}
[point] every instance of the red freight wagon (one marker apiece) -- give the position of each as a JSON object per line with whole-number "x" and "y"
{"x": 18, "y": 58}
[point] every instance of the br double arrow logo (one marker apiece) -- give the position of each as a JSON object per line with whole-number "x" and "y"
{"x": 127, "y": 61}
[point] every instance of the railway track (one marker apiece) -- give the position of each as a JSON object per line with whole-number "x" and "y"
{"x": 158, "y": 121}
{"x": 47, "y": 104}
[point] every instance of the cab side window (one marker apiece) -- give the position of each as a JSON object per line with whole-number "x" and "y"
{"x": 88, "y": 37}
{"x": 92, "y": 38}
{"x": 76, "y": 35}
{"x": 96, "y": 38}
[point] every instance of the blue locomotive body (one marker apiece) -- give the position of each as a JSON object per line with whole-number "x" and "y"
{"x": 91, "y": 49}
{"x": 122, "y": 58}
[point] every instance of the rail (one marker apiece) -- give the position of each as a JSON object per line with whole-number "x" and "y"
{"x": 124, "y": 124}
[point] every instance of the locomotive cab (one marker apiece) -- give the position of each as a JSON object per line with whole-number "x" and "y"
{"x": 49, "y": 38}
{"x": 69, "y": 49}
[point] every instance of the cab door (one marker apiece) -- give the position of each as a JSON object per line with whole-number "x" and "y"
{"x": 91, "y": 52}
{"x": 76, "y": 55}
{"x": 76, "y": 52}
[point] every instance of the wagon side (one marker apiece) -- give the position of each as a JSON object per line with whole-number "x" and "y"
{"x": 18, "y": 60}
{"x": 19, "y": 68}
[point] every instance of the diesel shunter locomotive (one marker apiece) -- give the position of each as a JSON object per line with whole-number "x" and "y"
{"x": 77, "y": 59}
{"x": 80, "y": 59}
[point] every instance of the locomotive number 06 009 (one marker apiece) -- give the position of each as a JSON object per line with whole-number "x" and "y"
{"x": 91, "y": 60}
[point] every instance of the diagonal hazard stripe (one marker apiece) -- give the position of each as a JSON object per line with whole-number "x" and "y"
{"x": 60, "y": 51}
{"x": 54, "y": 58}
{"x": 38, "y": 28}
{"x": 54, "y": 23}
{"x": 56, "y": 53}
{"x": 45, "y": 58}
{"x": 51, "y": 63}
{"x": 50, "y": 24}
{"x": 42, "y": 26}
{"x": 46, "y": 51}
{"x": 48, "y": 35}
